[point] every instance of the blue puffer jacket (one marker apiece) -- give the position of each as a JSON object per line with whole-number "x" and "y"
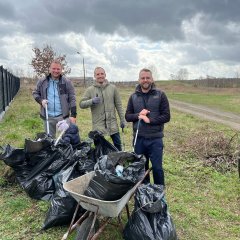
{"x": 72, "y": 135}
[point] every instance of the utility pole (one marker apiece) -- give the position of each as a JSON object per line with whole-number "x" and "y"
{"x": 84, "y": 77}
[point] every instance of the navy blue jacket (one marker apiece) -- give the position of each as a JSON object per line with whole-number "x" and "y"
{"x": 157, "y": 103}
{"x": 72, "y": 135}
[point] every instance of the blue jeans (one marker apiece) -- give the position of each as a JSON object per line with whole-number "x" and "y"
{"x": 117, "y": 141}
{"x": 152, "y": 148}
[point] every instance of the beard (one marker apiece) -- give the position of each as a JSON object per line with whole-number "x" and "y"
{"x": 146, "y": 86}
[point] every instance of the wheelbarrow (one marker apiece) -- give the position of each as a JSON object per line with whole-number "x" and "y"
{"x": 95, "y": 207}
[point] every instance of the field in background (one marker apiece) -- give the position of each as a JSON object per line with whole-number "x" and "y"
{"x": 203, "y": 202}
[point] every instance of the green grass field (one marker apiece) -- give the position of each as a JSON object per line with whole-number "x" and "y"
{"x": 203, "y": 202}
{"x": 227, "y": 99}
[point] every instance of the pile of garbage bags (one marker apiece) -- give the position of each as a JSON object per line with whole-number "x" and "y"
{"x": 41, "y": 169}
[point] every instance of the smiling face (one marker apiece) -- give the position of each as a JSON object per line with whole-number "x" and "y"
{"x": 99, "y": 75}
{"x": 55, "y": 70}
{"x": 145, "y": 80}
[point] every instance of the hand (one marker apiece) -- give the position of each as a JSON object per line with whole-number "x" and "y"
{"x": 122, "y": 125}
{"x": 96, "y": 100}
{"x": 62, "y": 126}
{"x": 144, "y": 118}
{"x": 144, "y": 112}
{"x": 44, "y": 103}
{"x": 73, "y": 119}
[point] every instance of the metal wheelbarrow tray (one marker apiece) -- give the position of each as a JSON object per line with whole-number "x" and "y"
{"x": 109, "y": 209}
{"x": 76, "y": 188}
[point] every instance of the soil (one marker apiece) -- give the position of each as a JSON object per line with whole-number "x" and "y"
{"x": 227, "y": 118}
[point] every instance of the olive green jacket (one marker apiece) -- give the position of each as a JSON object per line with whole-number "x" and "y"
{"x": 104, "y": 117}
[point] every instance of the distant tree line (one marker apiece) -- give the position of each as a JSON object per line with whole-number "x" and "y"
{"x": 215, "y": 82}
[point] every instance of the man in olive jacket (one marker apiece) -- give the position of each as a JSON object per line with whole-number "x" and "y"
{"x": 103, "y": 98}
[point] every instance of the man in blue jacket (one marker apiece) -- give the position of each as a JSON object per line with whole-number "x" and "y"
{"x": 149, "y": 107}
{"x": 57, "y": 93}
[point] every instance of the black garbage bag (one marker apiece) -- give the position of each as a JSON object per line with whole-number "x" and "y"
{"x": 150, "y": 219}
{"x": 41, "y": 141}
{"x": 34, "y": 170}
{"x": 39, "y": 183}
{"x": 51, "y": 159}
{"x": 16, "y": 159}
{"x": 85, "y": 157}
{"x": 106, "y": 184}
{"x": 101, "y": 189}
{"x": 133, "y": 167}
{"x": 63, "y": 204}
{"x": 102, "y": 146}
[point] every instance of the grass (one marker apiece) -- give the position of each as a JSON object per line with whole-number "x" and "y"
{"x": 204, "y": 203}
{"x": 222, "y": 99}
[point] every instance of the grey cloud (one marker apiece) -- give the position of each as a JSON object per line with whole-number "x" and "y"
{"x": 193, "y": 55}
{"x": 7, "y": 11}
{"x": 155, "y": 19}
{"x": 219, "y": 33}
{"x": 229, "y": 53}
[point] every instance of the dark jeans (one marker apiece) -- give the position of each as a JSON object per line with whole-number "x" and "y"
{"x": 117, "y": 141}
{"x": 152, "y": 148}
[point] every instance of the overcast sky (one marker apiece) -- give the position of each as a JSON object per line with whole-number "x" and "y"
{"x": 202, "y": 36}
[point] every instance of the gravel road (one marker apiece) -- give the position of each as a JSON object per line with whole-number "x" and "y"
{"x": 227, "y": 118}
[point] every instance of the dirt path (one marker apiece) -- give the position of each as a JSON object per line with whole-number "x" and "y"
{"x": 230, "y": 119}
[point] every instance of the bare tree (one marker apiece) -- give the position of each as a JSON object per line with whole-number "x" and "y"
{"x": 237, "y": 75}
{"x": 43, "y": 58}
{"x": 182, "y": 74}
{"x": 172, "y": 76}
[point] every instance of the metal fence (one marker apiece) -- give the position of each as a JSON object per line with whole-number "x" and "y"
{"x": 9, "y": 86}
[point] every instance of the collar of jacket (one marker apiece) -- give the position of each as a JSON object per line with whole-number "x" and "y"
{"x": 99, "y": 85}
{"x": 152, "y": 89}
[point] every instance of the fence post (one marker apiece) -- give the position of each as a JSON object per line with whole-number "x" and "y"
{"x": 2, "y": 88}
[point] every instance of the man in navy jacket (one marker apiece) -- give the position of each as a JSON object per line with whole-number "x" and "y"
{"x": 150, "y": 106}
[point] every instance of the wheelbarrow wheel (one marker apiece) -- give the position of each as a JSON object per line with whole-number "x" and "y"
{"x": 84, "y": 228}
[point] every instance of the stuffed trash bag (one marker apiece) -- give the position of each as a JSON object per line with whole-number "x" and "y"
{"x": 36, "y": 164}
{"x": 102, "y": 146}
{"x": 85, "y": 156}
{"x": 16, "y": 159}
{"x": 62, "y": 204}
{"x": 107, "y": 184}
{"x": 150, "y": 219}
{"x": 41, "y": 141}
